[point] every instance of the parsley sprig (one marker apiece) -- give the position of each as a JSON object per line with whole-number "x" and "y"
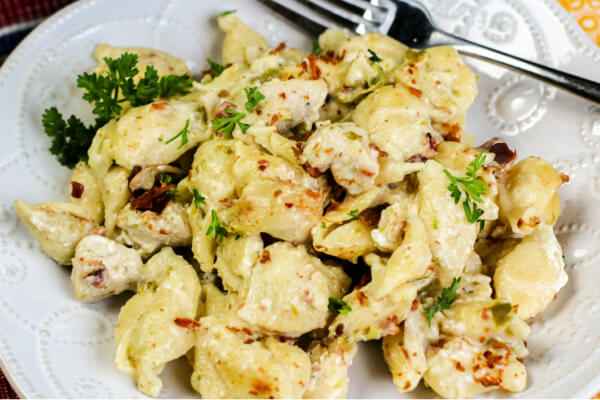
{"x": 215, "y": 68}
{"x": 198, "y": 198}
{"x": 373, "y": 56}
{"x": 226, "y": 125}
{"x": 472, "y": 187}
{"x": 254, "y": 97}
{"x": 338, "y": 306}
{"x": 71, "y": 138}
{"x": 224, "y": 13}
{"x": 444, "y": 301}
{"x": 183, "y": 133}
{"x": 216, "y": 228}
{"x": 316, "y": 48}
{"x": 354, "y": 213}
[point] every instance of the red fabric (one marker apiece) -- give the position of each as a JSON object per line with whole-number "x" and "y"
{"x": 6, "y": 391}
{"x": 17, "y": 11}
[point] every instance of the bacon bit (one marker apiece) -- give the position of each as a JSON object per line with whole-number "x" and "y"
{"x": 516, "y": 308}
{"x": 381, "y": 152}
{"x": 100, "y": 278}
{"x": 223, "y": 93}
{"x": 520, "y": 359}
{"x": 282, "y": 95}
{"x": 276, "y": 193}
{"x": 367, "y": 173}
{"x": 249, "y": 341}
{"x": 407, "y": 385}
{"x": 371, "y": 216}
{"x": 289, "y": 205}
{"x": 315, "y": 71}
{"x": 312, "y": 171}
{"x": 313, "y": 194}
{"x": 533, "y": 222}
{"x": 433, "y": 142}
{"x": 417, "y": 158}
{"x": 406, "y": 355}
{"x": 503, "y": 155}
{"x": 415, "y": 305}
{"x": 564, "y": 177}
{"x": 247, "y": 331}
{"x": 155, "y": 199}
{"x": 265, "y": 256}
{"x": 364, "y": 280}
{"x": 76, "y": 189}
{"x": 415, "y": 92}
{"x": 411, "y": 71}
{"x": 263, "y": 164}
{"x": 459, "y": 366}
{"x": 163, "y": 105}
{"x": 339, "y": 330}
{"x": 485, "y": 313}
{"x": 362, "y": 297}
{"x": 277, "y": 49}
{"x": 221, "y": 111}
{"x": 187, "y": 323}
{"x": 452, "y": 132}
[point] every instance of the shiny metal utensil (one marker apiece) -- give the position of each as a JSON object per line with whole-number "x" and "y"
{"x": 410, "y": 22}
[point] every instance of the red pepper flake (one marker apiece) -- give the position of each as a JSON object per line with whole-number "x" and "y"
{"x": 260, "y": 386}
{"x": 280, "y": 47}
{"x": 415, "y": 305}
{"x": 452, "y": 132}
{"x": 485, "y": 313}
{"x": 247, "y": 331}
{"x": 163, "y": 232}
{"x": 564, "y": 177}
{"x": 362, "y": 297}
{"x": 312, "y": 193}
{"x": 187, "y": 323}
{"x": 276, "y": 193}
{"x": 381, "y": 152}
{"x": 407, "y": 385}
{"x": 282, "y": 95}
{"x": 289, "y": 205}
{"x": 406, "y": 355}
{"x": 482, "y": 339}
{"x": 163, "y": 105}
{"x": 459, "y": 366}
{"x": 265, "y": 256}
{"x": 315, "y": 71}
{"x": 76, "y": 189}
{"x": 415, "y": 92}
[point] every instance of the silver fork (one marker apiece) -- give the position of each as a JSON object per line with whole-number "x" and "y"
{"x": 410, "y": 22}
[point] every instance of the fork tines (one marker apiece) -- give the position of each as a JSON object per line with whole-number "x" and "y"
{"x": 357, "y": 16}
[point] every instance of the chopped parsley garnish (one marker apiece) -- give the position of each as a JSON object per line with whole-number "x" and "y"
{"x": 338, "y": 306}
{"x": 238, "y": 235}
{"x": 182, "y": 133}
{"x": 323, "y": 225}
{"x": 198, "y": 198}
{"x": 435, "y": 223}
{"x": 224, "y": 13}
{"x": 354, "y": 214}
{"x": 227, "y": 124}
{"x": 254, "y": 97}
{"x": 316, "y": 48}
{"x": 166, "y": 179}
{"x": 444, "y": 301}
{"x": 105, "y": 92}
{"x": 215, "y": 68}
{"x": 473, "y": 188}
{"x": 374, "y": 57}
{"x": 172, "y": 194}
{"x": 216, "y": 229}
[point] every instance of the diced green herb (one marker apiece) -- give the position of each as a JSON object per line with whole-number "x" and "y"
{"x": 198, "y": 198}
{"x": 224, "y": 13}
{"x": 254, "y": 97}
{"x": 338, "y": 306}
{"x": 444, "y": 301}
{"x": 227, "y": 124}
{"x": 164, "y": 178}
{"x": 215, "y": 68}
{"x": 354, "y": 214}
{"x": 501, "y": 312}
{"x": 216, "y": 229}
{"x": 473, "y": 188}
{"x": 374, "y": 57}
{"x": 323, "y": 225}
{"x": 435, "y": 223}
{"x": 172, "y": 194}
{"x": 316, "y": 48}
{"x": 238, "y": 235}
{"x": 182, "y": 133}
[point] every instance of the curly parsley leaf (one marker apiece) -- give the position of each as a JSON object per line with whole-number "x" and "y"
{"x": 374, "y": 57}
{"x": 215, "y": 68}
{"x": 198, "y": 198}
{"x": 254, "y": 97}
{"x": 444, "y": 301}
{"x": 354, "y": 214}
{"x": 224, "y": 13}
{"x": 216, "y": 228}
{"x": 70, "y": 139}
{"x": 226, "y": 125}
{"x": 316, "y": 48}
{"x": 338, "y": 306}
{"x": 182, "y": 133}
{"x": 172, "y": 194}
{"x": 472, "y": 186}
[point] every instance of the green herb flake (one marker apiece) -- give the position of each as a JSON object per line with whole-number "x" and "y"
{"x": 216, "y": 69}
{"x": 226, "y": 125}
{"x": 198, "y": 198}
{"x": 224, "y": 13}
{"x": 501, "y": 312}
{"x": 183, "y": 134}
{"x": 444, "y": 301}
{"x": 354, "y": 213}
{"x": 216, "y": 229}
{"x": 163, "y": 178}
{"x": 316, "y": 48}
{"x": 472, "y": 186}
{"x": 238, "y": 235}
{"x": 172, "y": 194}
{"x": 323, "y": 225}
{"x": 254, "y": 97}
{"x": 338, "y": 306}
{"x": 435, "y": 223}
{"x": 374, "y": 57}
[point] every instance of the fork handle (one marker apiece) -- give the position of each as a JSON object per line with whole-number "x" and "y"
{"x": 579, "y": 86}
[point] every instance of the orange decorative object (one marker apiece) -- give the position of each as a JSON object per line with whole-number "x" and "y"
{"x": 587, "y": 14}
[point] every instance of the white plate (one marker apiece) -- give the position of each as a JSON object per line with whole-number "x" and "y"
{"x": 53, "y": 346}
